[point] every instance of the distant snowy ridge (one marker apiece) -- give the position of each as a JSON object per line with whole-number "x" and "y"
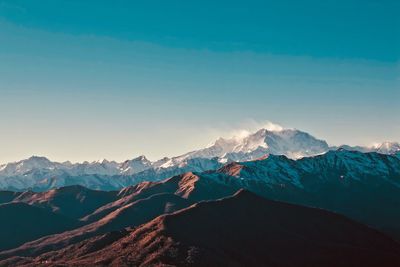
{"x": 383, "y": 148}
{"x": 288, "y": 142}
{"x": 40, "y": 172}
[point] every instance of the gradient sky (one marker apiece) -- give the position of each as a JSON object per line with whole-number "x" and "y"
{"x": 84, "y": 80}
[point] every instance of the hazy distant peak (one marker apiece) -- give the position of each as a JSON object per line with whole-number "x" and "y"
{"x": 387, "y": 147}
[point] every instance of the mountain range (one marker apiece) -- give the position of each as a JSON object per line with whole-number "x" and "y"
{"x": 41, "y": 174}
{"x": 338, "y": 208}
{"x": 208, "y": 219}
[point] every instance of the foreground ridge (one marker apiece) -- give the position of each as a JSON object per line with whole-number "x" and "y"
{"x": 242, "y": 230}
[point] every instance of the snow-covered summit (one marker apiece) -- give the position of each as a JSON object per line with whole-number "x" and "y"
{"x": 387, "y": 147}
{"x": 383, "y": 148}
{"x": 289, "y": 142}
{"x": 20, "y": 167}
{"x": 135, "y": 165}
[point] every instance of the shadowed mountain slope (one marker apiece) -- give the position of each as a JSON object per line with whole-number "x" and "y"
{"x": 72, "y": 201}
{"x": 189, "y": 186}
{"x": 129, "y": 215}
{"x": 8, "y": 196}
{"x": 362, "y": 186}
{"x": 21, "y": 223}
{"x": 243, "y": 230}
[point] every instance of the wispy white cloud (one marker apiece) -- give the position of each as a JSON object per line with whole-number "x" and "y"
{"x": 242, "y": 129}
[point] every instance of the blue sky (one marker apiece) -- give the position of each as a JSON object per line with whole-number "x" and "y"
{"x": 83, "y": 80}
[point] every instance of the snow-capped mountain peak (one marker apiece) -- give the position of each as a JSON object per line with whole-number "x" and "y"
{"x": 252, "y": 142}
{"x": 135, "y": 165}
{"x": 20, "y": 167}
{"x": 387, "y": 147}
{"x": 383, "y": 148}
{"x": 289, "y": 142}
